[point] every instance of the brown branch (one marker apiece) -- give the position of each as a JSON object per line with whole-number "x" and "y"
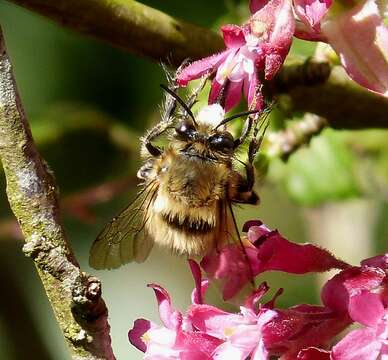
{"x": 309, "y": 87}
{"x": 138, "y": 28}
{"x": 132, "y": 26}
{"x": 74, "y": 296}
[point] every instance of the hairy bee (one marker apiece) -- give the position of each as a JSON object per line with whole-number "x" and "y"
{"x": 189, "y": 187}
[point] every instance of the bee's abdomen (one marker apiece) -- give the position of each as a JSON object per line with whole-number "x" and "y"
{"x": 188, "y": 224}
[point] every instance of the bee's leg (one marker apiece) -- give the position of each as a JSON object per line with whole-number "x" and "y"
{"x": 145, "y": 171}
{"x": 192, "y": 99}
{"x": 166, "y": 121}
{"x": 245, "y": 132}
{"x": 243, "y": 192}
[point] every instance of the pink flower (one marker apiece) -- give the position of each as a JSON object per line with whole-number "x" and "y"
{"x": 204, "y": 332}
{"x": 266, "y": 250}
{"x": 310, "y": 13}
{"x": 371, "y": 341}
{"x": 300, "y": 327}
{"x": 242, "y": 333}
{"x": 261, "y": 45}
{"x": 339, "y": 290}
{"x": 176, "y": 339}
{"x": 356, "y": 31}
{"x": 361, "y": 293}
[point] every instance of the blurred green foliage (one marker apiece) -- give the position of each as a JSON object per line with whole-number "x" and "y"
{"x": 87, "y": 104}
{"x": 322, "y": 172}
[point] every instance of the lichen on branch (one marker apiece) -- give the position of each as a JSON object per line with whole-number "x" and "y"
{"x": 74, "y": 296}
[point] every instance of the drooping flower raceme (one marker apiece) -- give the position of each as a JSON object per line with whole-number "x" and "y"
{"x": 204, "y": 332}
{"x": 258, "y": 47}
{"x": 175, "y": 339}
{"x": 357, "y": 294}
{"x": 265, "y": 250}
{"x": 355, "y": 30}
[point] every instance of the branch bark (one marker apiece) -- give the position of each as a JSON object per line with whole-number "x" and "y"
{"x": 308, "y": 87}
{"x": 132, "y": 26}
{"x": 75, "y": 296}
{"x": 145, "y": 31}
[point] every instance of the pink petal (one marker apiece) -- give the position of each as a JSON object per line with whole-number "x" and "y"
{"x": 170, "y": 318}
{"x": 245, "y": 338}
{"x": 229, "y": 266}
{"x": 211, "y": 320}
{"x": 274, "y": 25}
{"x": 215, "y": 92}
{"x": 232, "y": 94}
{"x": 301, "y": 327}
{"x": 233, "y": 36}
{"x": 196, "y": 345}
{"x": 271, "y": 304}
{"x": 140, "y": 327}
{"x": 199, "y": 68}
{"x": 283, "y": 26}
{"x": 313, "y": 353}
{"x": 277, "y": 253}
{"x": 256, "y": 5}
{"x": 311, "y": 12}
{"x": 379, "y": 261}
{"x": 252, "y": 92}
{"x": 200, "y": 286}
{"x": 253, "y": 299}
{"x": 337, "y": 291}
{"x": 228, "y": 351}
{"x": 305, "y": 33}
{"x": 260, "y": 353}
{"x": 357, "y": 345}
{"x": 360, "y": 38}
{"x": 366, "y": 308}
{"x": 273, "y": 63}
{"x": 270, "y": 251}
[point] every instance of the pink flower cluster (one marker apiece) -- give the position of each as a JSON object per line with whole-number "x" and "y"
{"x": 357, "y": 294}
{"x": 256, "y": 50}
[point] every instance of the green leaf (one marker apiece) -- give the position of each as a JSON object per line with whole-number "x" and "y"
{"x": 323, "y": 171}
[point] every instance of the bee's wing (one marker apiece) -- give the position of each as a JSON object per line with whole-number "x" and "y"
{"x": 125, "y": 239}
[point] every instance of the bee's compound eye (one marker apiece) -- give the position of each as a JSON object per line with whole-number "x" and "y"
{"x": 222, "y": 142}
{"x": 185, "y": 129}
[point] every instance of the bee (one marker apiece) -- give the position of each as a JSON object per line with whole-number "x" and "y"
{"x": 189, "y": 186}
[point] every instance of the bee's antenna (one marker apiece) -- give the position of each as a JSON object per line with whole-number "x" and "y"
{"x": 180, "y": 101}
{"x": 235, "y": 116}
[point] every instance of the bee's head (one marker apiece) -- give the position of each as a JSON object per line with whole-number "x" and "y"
{"x": 202, "y": 138}
{"x": 205, "y": 136}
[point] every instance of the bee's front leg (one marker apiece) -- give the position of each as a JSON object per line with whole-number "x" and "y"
{"x": 166, "y": 121}
{"x": 245, "y": 132}
{"x": 167, "y": 115}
